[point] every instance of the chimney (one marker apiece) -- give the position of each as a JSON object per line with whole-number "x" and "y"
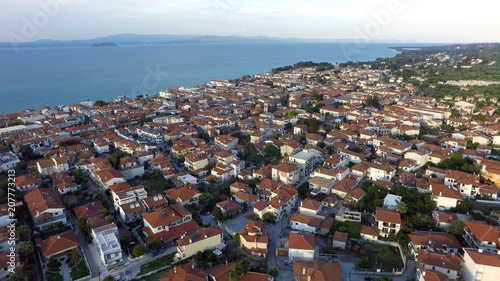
{"x": 226, "y": 262}
{"x": 479, "y": 250}
{"x": 192, "y": 265}
{"x": 58, "y": 237}
{"x": 190, "y": 241}
{"x": 308, "y": 277}
{"x": 303, "y": 271}
{"x": 423, "y": 273}
{"x": 175, "y": 269}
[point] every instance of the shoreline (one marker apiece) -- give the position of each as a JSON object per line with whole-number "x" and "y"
{"x": 202, "y": 80}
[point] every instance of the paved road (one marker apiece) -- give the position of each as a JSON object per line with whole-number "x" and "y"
{"x": 94, "y": 269}
{"x": 275, "y": 232}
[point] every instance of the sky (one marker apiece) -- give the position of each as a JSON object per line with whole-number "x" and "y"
{"x": 422, "y": 21}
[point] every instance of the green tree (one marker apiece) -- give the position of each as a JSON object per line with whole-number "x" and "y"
{"x": 74, "y": 257}
{"x": 402, "y": 208}
{"x": 22, "y": 273}
{"x": 365, "y": 263}
{"x": 456, "y": 227}
{"x": 89, "y": 238}
{"x": 99, "y": 103}
{"x": 480, "y": 117}
{"x": 236, "y": 239}
{"x": 237, "y": 272}
{"x": 155, "y": 244}
{"x": 269, "y": 217}
{"x": 217, "y": 213}
{"x": 25, "y": 248}
{"x": 247, "y": 265}
{"x": 372, "y": 101}
{"x": 108, "y": 278}
{"x": 138, "y": 251}
{"x": 142, "y": 119}
{"x": 227, "y": 216}
{"x": 82, "y": 224}
{"x": 207, "y": 199}
{"x": 24, "y": 231}
{"x": 110, "y": 218}
{"x": 271, "y": 150}
{"x": 274, "y": 272}
{"x": 313, "y": 125}
{"x": 454, "y": 113}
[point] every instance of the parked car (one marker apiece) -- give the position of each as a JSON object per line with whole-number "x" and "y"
{"x": 158, "y": 251}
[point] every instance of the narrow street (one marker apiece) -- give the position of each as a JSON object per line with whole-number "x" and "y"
{"x": 94, "y": 269}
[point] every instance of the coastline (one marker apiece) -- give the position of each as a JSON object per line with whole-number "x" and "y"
{"x": 220, "y": 62}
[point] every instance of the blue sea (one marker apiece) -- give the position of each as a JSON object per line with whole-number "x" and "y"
{"x": 34, "y": 77}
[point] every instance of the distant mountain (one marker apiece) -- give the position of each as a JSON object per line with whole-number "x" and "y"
{"x": 155, "y": 39}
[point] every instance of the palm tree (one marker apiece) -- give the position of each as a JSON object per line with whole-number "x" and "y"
{"x": 24, "y": 232}
{"x": 401, "y": 208}
{"x": 74, "y": 257}
{"x": 24, "y": 272}
{"x": 25, "y": 248}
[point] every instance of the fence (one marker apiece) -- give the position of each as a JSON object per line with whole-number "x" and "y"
{"x": 379, "y": 271}
{"x": 153, "y": 272}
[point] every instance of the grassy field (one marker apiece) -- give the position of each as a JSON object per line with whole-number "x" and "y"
{"x": 54, "y": 266}
{"x": 158, "y": 263}
{"x": 81, "y": 272}
{"x": 53, "y": 277}
{"x": 152, "y": 186}
{"x": 385, "y": 257}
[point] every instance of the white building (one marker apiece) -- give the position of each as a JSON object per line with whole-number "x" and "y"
{"x": 8, "y": 160}
{"x": 306, "y": 161}
{"x": 301, "y": 246}
{"x": 108, "y": 246}
{"x": 480, "y": 266}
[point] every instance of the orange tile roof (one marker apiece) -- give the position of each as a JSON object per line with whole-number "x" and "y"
{"x": 165, "y": 216}
{"x": 372, "y": 231}
{"x": 59, "y": 243}
{"x": 387, "y": 215}
{"x": 484, "y": 258}
{"x": 448, "y": 261}
{"x": 183, "y": 192}
{"x": 185, "y": 272}
{"x": 484, "y": 232}
{"x": 317, "y": 271}
{"x": 303, "y": 241}
{"x": 41, "y": 199}
{"x": 254, "y": 276}
{"x": 230, "y": 206}
{"x": 340, "y": 236}
{"x": 221, "y": 271}
{"x": 198, "y": 235}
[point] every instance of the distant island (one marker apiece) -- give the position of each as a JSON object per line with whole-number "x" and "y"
{"x": 158, "y": 39}
{"x": 103, "y": 45}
